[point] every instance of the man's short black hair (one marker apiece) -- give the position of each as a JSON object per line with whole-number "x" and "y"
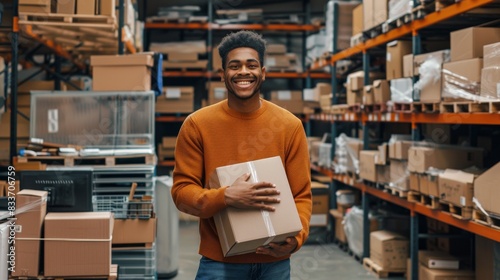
{"x": 242, "y": 39}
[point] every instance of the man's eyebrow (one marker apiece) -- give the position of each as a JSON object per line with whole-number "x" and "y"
{"x": 239, "y": 61}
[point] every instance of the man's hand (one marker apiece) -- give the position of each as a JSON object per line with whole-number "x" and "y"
{"x": 243, "y": 194}
{"x": 279, "y": 250}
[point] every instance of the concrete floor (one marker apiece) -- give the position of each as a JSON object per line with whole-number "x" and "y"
{"x": 311, "y": 262}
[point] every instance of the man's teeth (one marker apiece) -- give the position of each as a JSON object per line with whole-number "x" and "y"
{"x": 243, "y": 83}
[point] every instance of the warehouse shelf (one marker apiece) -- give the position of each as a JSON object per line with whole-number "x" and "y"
{"x": 439, "y": 215}
{"x": 410, "y": 28}
{"x": 414, "y": 118}
{"x": 275, "y": 75}
{"x": 166, "y": 163}
{"x": 170, "y": 118}
{"x": 215, "y": 26}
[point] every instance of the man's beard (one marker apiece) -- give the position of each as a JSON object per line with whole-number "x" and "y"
{"x": 256, "y": 91}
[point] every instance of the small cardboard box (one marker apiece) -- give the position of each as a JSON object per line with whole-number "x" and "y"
{"x": 399, "y": 174}
{"x": 243, "y": 231}
{"x": 441, "y": 274}
{"x": 285, "y": 95}
{"x": 399, "y": 149}
{"x": 368, "y": 97}
{"x": 175, "y": 100}
{"x": 121, "y": 72}
{"x": 468, "y": 43}
{"x": 66, "y": 7}
{"x": 396, "y": 50}
{"x": 275, "y": 49}
{"x": 182, "y": 56}
{"x": 67, "y": 253}
{"x": 415, "y": 181}
{"x": 107, "y": 8}
{"x": 33, "y": 206}
{"x": 430, "y": 183}
{"x": 486, "y": 189}
{"x": 490, "y": 82}
{"x": 367, "y": 167}
{"x": 420, "y": 159}
{"x": 217, "y": 92}
{"x": 381, "y": 91}
{"x": 383, "y": 159}
{"x": 368, "y": 8}
{"x": 461, "y": 79}
{"x": 438, "y": 260}
{"x": 408, "y": 66}
{"x": 321, "y": 204}
{"x": 389, "y": 250}
{"x": 491, "y": 54}
{"x": 456, "y": 187}
{"x": 383, "y": 174}
{"x": 134, "y": 231}
{"x": 339, "y": 226}
{"x": 85, "y": 7}
{"x": 354, "y": 147}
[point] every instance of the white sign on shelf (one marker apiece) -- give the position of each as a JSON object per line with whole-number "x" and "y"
{"x": 284, "y": 95}
{"x": 220, "y": 93}
{"x": 173, "y": 93}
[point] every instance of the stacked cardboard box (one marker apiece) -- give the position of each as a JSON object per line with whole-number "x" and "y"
{"x": 217, "y": 92}
{"x": 486, "y": 190}
{"x": 277, "y": 59}
{"x": 289, "y": 99}
{"x": 372, "y": 168}
{"x": 428, "y": 66}
{"x": 166, "y": 149}
{"x": 398, "y": 155}
{"x": 175, "y": 100}
{"x": 35, "y": 6}
{"x": 182, "y": 55}
{"x": 440, "y": 265}
{"x": 356, "y": 88}
{"x": 389, "y": 250}
{"x": 490, "y": 74}
{"x": 374, "y": 13}
{"x": 321, "y": 204}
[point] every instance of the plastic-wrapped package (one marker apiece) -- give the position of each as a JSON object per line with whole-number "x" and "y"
{"x": 490, "y": 82}
{"x": 402, "y": 90}
{"x": 344, "y": 24}
{"x": 353, "y": 227}
{"x": 347, "y": 154}
{"x": 399, "y": 8}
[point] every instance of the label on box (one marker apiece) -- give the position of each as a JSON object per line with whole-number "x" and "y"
{"x": 388, "y": 57}
{"x": 219, "y": 93}
{"x": 284, "y": 95}
{"x": 309, "y": 94}
{"x": 462, "y": 200}
{"x": 498, "y": 89}
{"x": 53, "y": 120}
{"x": 318, "y": 220}
{"x": 271, "y": 61}
{"x": 243, "y": 16}
{"x": 173, "y": 93}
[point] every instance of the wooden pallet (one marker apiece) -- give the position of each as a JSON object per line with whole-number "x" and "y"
{"x": 113, "y": 275}
{"x": 67, "y": 20}
{"x": 371, "y": 266}
{"x": 339, "y": 109}
{"x": 380, "y": 108}
{"x": 428, "y": 7}
{"x": 402, "y": 107}
{"x": 396, "y": 191}
{"x": 281, "y": 70}
{"x": 356, "y": 108}
{"x": 481, "y": 218}
{"x": 459, "y": 212}
{"x": 397, "y": 22}
{"x": 469, "y": 107}
{"x": 164, "y": 19}
{"x": 89, "y": 161}
{"x": 424, "y": 107}
{"x": 427, "y": 200}
{"x": 357, "y": 39}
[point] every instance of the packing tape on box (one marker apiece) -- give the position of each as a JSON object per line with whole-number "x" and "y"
{"x": 265, "y": 214}
{"x": 457, "y": 86}
{"x": 25, "y": 208}
{"x": 480, "y": 207}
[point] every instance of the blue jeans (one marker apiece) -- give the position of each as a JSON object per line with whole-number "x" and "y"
{"x": 213, "y": 270}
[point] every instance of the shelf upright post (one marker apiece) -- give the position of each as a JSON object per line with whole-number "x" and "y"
{"x": 306, "y": 6}
{"x": 210, "y": 34}
{"x": 366, "y": 224}
{"x": 416, "y": 49}
{"x": 333, "y": 72}
{"x": 414, "y": 244}
{"x": 121, "y": 24}
{"x": 57, "y": 78}
{"x": 366, "y": 70}
{"x": 13, "y": 82}
{"x": 146, "y": 31}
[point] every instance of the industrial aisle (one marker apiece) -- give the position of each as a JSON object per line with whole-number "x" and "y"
{"x": 312, "y": 262}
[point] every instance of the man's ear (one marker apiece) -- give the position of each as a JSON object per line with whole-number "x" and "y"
{"x": 263, "y": 73}
{"x": 221, "y": 74}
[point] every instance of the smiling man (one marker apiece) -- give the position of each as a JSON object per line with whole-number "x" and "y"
{"x": 242, "y": 128}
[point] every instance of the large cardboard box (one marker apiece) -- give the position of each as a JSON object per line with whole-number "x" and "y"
{"x": 396, "y": 50}
{"x": 415, "y": 181}
{"x": 121, "y": 72}
{"x": 107, "y": 8}
{"x": 468, "y": 43}
{"x": 367, "y": 167}
{"x": 321, "y": 204}
{"x": 175, "y": 100}
{"x": 389, "y": 250}
{"x": 461, "y": 79}
{"x": 438, "y": 260}
{"x": 315, "y": 94}
{"x": 430, "y": 183}
{"x": 486, "y": 189}
{"x": 456, "y": 187}
{"x": 78, "y": 244}
{"x": 491, "y": 55}
{"x": 426, "y": 273}
{"x": 429, "y": 86}
{"x": 420, "y": 159}
{"x": 243, "y": 231}
{"x": 34, "y": 6}
{"x": 85, "y": 7}
{"x": 134, "y": 231}
{"x": 357, "y": 20}
{"x": 32, "y": 206}
{"x": 374, "y": 13}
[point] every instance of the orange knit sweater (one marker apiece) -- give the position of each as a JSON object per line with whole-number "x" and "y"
{"x": 216, "y": 136}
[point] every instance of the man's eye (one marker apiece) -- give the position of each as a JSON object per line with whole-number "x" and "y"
{"x": 233, "y": 67}
{"x": 252, "y": 66}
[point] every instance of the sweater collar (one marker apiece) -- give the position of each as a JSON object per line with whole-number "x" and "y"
{"x": 248, "y": 116}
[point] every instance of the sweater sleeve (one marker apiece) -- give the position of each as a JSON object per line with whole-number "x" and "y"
{"x": 188, "y": 192}
{"x": 299, "y": 175}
